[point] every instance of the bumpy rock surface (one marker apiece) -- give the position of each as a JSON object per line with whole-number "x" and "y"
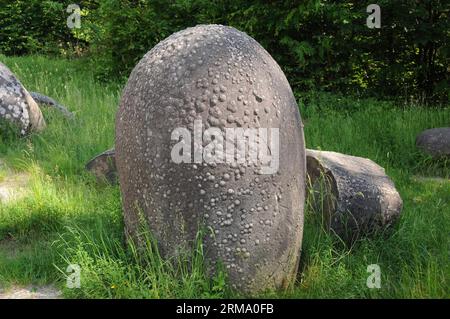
{"x": 354, "y": 194}
{"x": 16, "y": 104}
{"x": 103, "y": 166}
{"x": 435, "y": 141}
{"x": 225, "y": 79}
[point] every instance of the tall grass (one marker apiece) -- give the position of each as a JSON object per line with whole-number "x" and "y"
{"x": 69, "y": 218}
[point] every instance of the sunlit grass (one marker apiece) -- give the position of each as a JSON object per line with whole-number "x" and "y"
{"x": 69, "y": 218}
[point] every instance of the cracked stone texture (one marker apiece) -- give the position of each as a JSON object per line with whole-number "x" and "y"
{"x": 355, "y": 193}
{"x": 435, "y": 142}
{"x": 253, "y": 222}
{"x": 16, "y": 104}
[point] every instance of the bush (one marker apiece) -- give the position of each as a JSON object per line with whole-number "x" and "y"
{"x": 320, "y": 44}
{"x": 36, "y": 26}
{"x": 126, "y": 30}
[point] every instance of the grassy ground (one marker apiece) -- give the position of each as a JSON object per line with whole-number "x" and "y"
{"x": 69, "y": 218}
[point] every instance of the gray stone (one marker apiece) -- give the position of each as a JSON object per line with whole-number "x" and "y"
{"x": 103, "y": 166}
{"x": 45, "y": 100}
{"x": 435, "y": 141}
{"x": 16, "y": 104}
{"x": 253, "y": 222}
{"x": 354, "y": 194}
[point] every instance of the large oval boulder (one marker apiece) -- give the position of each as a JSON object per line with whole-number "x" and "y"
{"x": 435, "y": 141}
{"x": 196, "y": 91}
{"x": 354, "y": 194}
{"x": 16, "y": 104}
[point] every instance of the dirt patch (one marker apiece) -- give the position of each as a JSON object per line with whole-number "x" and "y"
{"x": 13, "y": 185}
{"x": 30, "y": 292}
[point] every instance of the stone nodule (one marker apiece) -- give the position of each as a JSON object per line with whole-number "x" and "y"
{"x": 222, "y": 78}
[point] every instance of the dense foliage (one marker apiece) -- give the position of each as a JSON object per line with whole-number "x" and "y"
{"x": 34, "y": 26}
{"x": 320, "y": 44}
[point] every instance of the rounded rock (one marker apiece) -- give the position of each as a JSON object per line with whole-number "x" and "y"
{"x": 163, "y": 77}
{"x": 435, "y": 142}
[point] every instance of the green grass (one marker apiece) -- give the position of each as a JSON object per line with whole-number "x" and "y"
{"x": 69, "y": 218}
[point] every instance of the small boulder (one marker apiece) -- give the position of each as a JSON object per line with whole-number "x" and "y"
{"x": 16, "y": 104}
{"x": 103, "y": 166}
{"x": 354, "y": 194}
{"x": 435, "y": 142}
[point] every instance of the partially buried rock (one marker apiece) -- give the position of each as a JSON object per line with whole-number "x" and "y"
{"x": 215, "y": 82}
{"x": 46, "y": 100}
{"x": 103, "y": 166}
{"x": 354, "y": 194}
{"x": 16, "y": 104}
{"x": 435, "y": 141}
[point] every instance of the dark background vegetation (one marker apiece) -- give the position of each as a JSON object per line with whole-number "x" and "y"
{"x": 321, "y": 45}
{"x": 363, "y": 92}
